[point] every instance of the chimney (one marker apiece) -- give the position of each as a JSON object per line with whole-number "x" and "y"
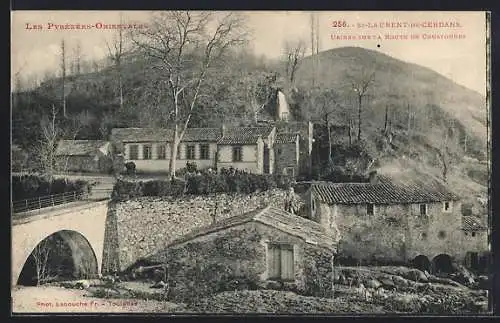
{"x": 223, "y": 129}
{"x": 373, "y": 177}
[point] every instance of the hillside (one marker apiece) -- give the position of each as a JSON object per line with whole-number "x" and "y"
{"x": 398, "y": 83}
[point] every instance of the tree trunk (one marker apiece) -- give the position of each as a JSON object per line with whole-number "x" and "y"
{"x": 120, "y": 88}
{"x": 409, "y": 121}
{"x": 385, "y": 121}
{"x": 359, "y": 117}
{"x": 350, "y": 131}
{"x": 329, "y": 143}
{"x": 173, "y": 157}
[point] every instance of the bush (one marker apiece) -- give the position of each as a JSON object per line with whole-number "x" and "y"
{"x": 32, "y": 186}
{"x": 130, "y": 166}
{"x": 203, "y": 184}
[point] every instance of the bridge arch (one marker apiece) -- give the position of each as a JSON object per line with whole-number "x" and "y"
{"x": 65, "y": 254}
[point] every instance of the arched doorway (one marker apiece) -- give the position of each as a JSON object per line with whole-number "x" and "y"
{"x": 63, "y": 255}
{"x": 422, "y": 262}
{"x": 442, "y": 264}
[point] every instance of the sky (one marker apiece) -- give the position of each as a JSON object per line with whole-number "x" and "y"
{"x": 462, "y": 59}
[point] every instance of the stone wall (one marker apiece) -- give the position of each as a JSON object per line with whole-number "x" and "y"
{"x": 147, "y": 224}
{"x": 381, "y": 237}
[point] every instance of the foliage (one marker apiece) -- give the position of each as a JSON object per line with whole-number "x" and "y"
{"x": 130, "y": 166}
{"x": 32, "y": 186}
{"x": 203, "y": 184}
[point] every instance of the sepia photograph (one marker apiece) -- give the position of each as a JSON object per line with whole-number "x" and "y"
{"x": 251, "y": 162}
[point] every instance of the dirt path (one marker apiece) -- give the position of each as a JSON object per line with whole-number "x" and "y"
{"x": 51, "y": 299}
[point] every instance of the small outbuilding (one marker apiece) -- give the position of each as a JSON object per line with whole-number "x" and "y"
{"x": 84, "y": 156}
{"x": 268, "y": 248}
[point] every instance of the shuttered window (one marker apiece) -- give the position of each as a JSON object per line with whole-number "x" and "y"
{"x": 133, "y": 152}
{"x": 280, "y": 262}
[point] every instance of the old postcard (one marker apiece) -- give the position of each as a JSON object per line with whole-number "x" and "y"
{"x": 251, "y": 162}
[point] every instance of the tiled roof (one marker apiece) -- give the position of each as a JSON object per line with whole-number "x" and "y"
{"x": 292, "y": 224}
{"x": 141, "y": 134}
{"x": 244, "y": 135}
{"x": 79, "y": 147}
{"x": 386, "y": 191}
{"x": 472, "y": 223}
{"x": 161, "y": 134}
{"x": 286, "y": 138}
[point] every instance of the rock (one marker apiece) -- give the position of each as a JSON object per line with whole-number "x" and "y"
{"x": 159, "y": 284}
{"x": 400, "y": 281}
{"x": 82, "y": 284}
{"x": 388, "y": 283}
{"x": 372, "y": 283}
{"x": 416, "y": 275}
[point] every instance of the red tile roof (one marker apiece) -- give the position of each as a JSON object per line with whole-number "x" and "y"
{"x": 244, "y": 135}
{"x": 386, "y": 191}
{"x": 274, "y": 217}
{"x": 166, "y": 135}
{"x": 79, "y": 147}
{"x": 286, "y": 138}
{"x": 240, "y": 135}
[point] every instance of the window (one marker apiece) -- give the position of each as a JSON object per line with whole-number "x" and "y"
{"x": 204, "y": 151}
{"x": 423, "y": 209}
{"x": 237, "y": 154}
{"x": 423, "y": 236}
{"x": 441, "y": 234}
{"x": 290, "y": 171}
{"x": 473, "y": 234}
{"x": 133, "y": 153}
{"x": 190, "y": 152}
{"x": 179, "y": 152}
{"x": 146, "y": 152}
{"x": 446, "y": 206}
{"x": 466, "y": 233}
{"x": 162, "y": 152}
{"x": 370, "y": 209}
{"x": 280, "y": 262}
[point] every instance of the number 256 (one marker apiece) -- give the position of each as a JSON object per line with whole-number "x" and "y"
{"x": 339, "y": 23}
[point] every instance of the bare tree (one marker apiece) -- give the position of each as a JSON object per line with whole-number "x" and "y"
{"x": 46, "y": 148}
{"x": 41, "y": 256}
{"x": 294, "y": 52}
{"x": 77, "y": 58}
{"x": 259, "y": 91}
{"x": 116, "y": 51}
{"x": 313, "y": 47}
{"x": 360, "y": 85}
{"x": 185, "y": 44}
{"x": 63, "y": 75}
{"x": 327, "y": 103}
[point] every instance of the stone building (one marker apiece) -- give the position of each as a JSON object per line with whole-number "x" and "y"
{"x": 84, "y": 156}
{"x": 388, "y": 221}
{"x": 286, "y": 151}
{"x": 247, "y": 148}
{"x": 265, "y": 248}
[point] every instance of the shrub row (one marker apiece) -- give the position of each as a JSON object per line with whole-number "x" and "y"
{"x": 202, "y": 184}
{"x": 32, "y": 186}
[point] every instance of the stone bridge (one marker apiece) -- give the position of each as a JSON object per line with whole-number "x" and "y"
{"x": 80, "y": 225}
